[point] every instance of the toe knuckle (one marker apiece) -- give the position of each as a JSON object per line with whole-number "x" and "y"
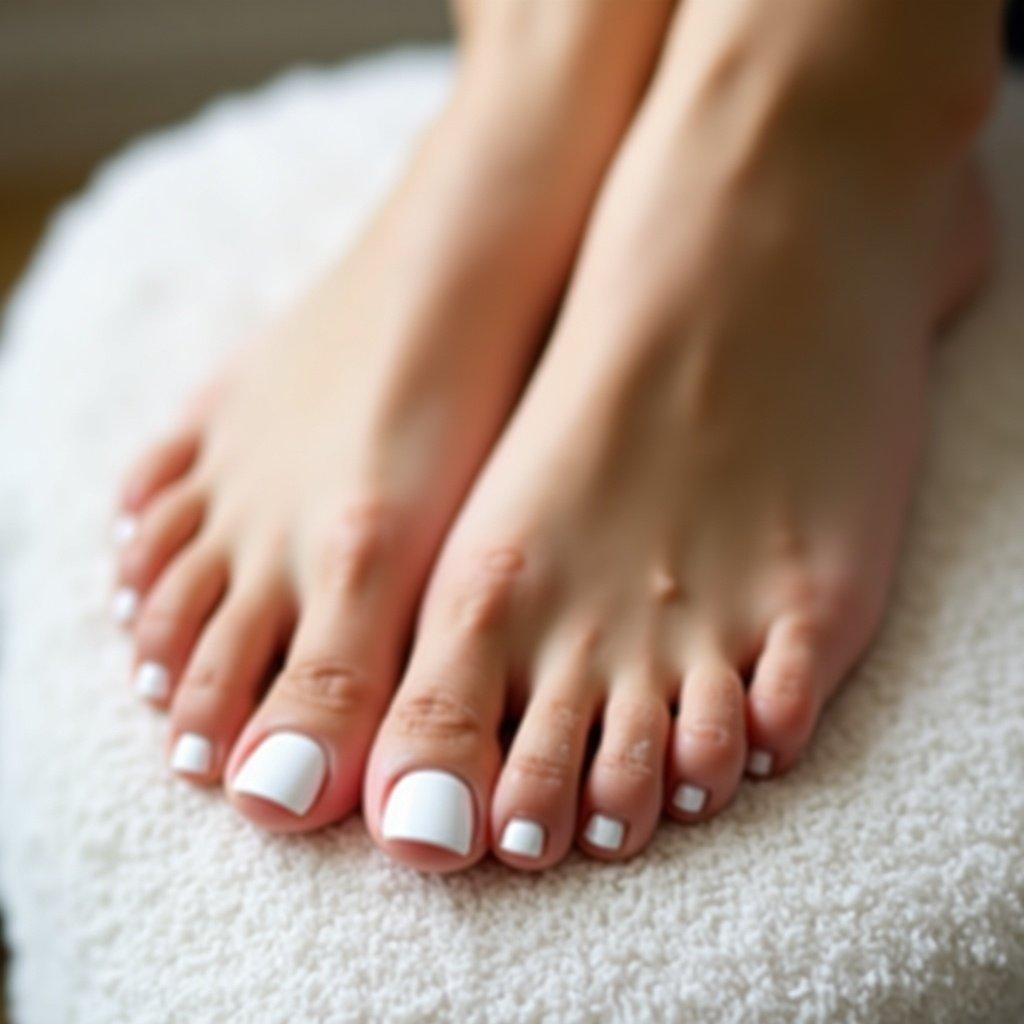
{"x": 359, "y": 538}
{"x": 550, "y": 768}
{"x": 210, "y": 677}
{"x": 633, "y": 763}
{"x": 160, "y": 625}
{"x": 482, "y": 583}
{"x": 328, "y": 684}
{"x": 436, "y": 715}
{"x": 712, "y": 735}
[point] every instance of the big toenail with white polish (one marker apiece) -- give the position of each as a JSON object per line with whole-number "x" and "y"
{"x": 152, "y": 681}
{"x": 759, "y": 763}
{"x": 432, "y": 807}
{"x": 522, "y": 837}
{"x": 124, "y": 530}
{"x": 690, "y": 799}
{"x": 192, "y": 754}
{"x": 124, "y": 606}
{"x": 605, "y": 833}
{"x": 286, "y": 768}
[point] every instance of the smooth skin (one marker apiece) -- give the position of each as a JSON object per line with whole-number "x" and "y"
{"x": 685, "y": 535}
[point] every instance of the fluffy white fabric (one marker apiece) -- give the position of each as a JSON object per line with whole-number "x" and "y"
{"x": 883, "y": 881}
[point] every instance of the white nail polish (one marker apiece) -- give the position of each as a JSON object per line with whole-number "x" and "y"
{"x": 605, "y": 833}
{"x": 759, "y": 763}
{"x": 192, "y": 754}
{"x": 432, "y": 807}
{"x": 690, "y": 799}
{"x": 523, "y": 838}
{"x": 124, "y": 606}
{"x": 287, "y": 769}
{"x": 152, "y": 681}
{"x": 124, "y": 530}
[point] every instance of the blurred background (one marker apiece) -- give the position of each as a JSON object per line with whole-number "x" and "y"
{"x": 80, "y": 77}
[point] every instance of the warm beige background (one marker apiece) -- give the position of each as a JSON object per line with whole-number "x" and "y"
{"x": 79, "y": 77}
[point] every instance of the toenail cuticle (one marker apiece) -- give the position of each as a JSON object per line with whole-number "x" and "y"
{"x": 286, "y": 768}
{"x": 759, "y": 763}
{"x": 690, "y": 799}
{"x": 192, "y": 754}
{"x": 124, "y": 606}
{"x": 605, "y": 833}
{"x": 124, "y": 530}
{"x": 433, "y": 807}
{"x": 152, "y": 681}
{"x": 523, "y": 837}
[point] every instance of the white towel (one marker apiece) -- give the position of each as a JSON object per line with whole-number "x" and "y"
{"x": 882, "y": 881}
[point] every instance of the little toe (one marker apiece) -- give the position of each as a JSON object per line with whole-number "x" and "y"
{"x": 533, "y": 812}
{"x": 622, "y": 796}
{"x": 171, "y": 618}
{"x": 709, "y": 743}
{"x": 219, "y": 686}
{"x": 786, "y": 696}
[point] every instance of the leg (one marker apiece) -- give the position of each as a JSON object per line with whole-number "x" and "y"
{"x": 700, "y": 497}
{"x": 297, "y": 509}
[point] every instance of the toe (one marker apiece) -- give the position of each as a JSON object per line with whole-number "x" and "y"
{"x": 533, "y": 812}
{"x": 299, "y": 762}
{"x": 219, "y": 685}
{"x": 709, "y": 743}
{"x": 434, "y": 762}
{"x": 172, "y": 616}
{"x": 622, "y": 797}
{"x": 156, "y": 536}
{"x": 159, "y": 466}
{"x": 786, "y": 696}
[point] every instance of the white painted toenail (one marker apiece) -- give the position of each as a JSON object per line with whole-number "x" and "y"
{"x": 431, "y": 807}
{"x": 759, "y": 763}
{"x": 690, "y": 799}
{"x": 152, "y": 681}
{"x": 124, "y": 530}
{"x": 523, "y": 838}
{"x": 287, "y": 769}
{"x": 192, "y": 754}
{"x": 604, "y": 833}
{"x": 124, "y": 606}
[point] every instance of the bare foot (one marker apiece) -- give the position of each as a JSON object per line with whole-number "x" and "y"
{"x": 699, "y": 500}
{"x": 299, "y": 507}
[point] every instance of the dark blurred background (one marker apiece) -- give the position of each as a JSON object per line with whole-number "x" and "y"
{"x": 80, "y": 77}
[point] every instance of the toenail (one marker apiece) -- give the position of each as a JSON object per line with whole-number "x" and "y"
{"x": 287, "y": 769}
{"x": 605, "y": 833}
{"x": 759, "y": 763}
{"x": 523, "y": 838}
{"x": 690, "y": 799}
{"x": 124, "y": 606}
{"x": 152, "y": 681}
{"x": 124, "y": 530}
{"x": 431, "y": 807}
{"x": 193, "y": 754}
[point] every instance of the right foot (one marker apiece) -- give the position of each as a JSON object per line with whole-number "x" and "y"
{"x": 300, "y": 505}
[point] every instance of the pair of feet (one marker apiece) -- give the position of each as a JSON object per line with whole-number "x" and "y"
{"x": 677, "y": 543}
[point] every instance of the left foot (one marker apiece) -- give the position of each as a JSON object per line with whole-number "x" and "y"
{"x": 701, "y": 496}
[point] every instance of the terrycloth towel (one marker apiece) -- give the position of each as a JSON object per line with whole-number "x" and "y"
{"x": 882, "y": 881}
